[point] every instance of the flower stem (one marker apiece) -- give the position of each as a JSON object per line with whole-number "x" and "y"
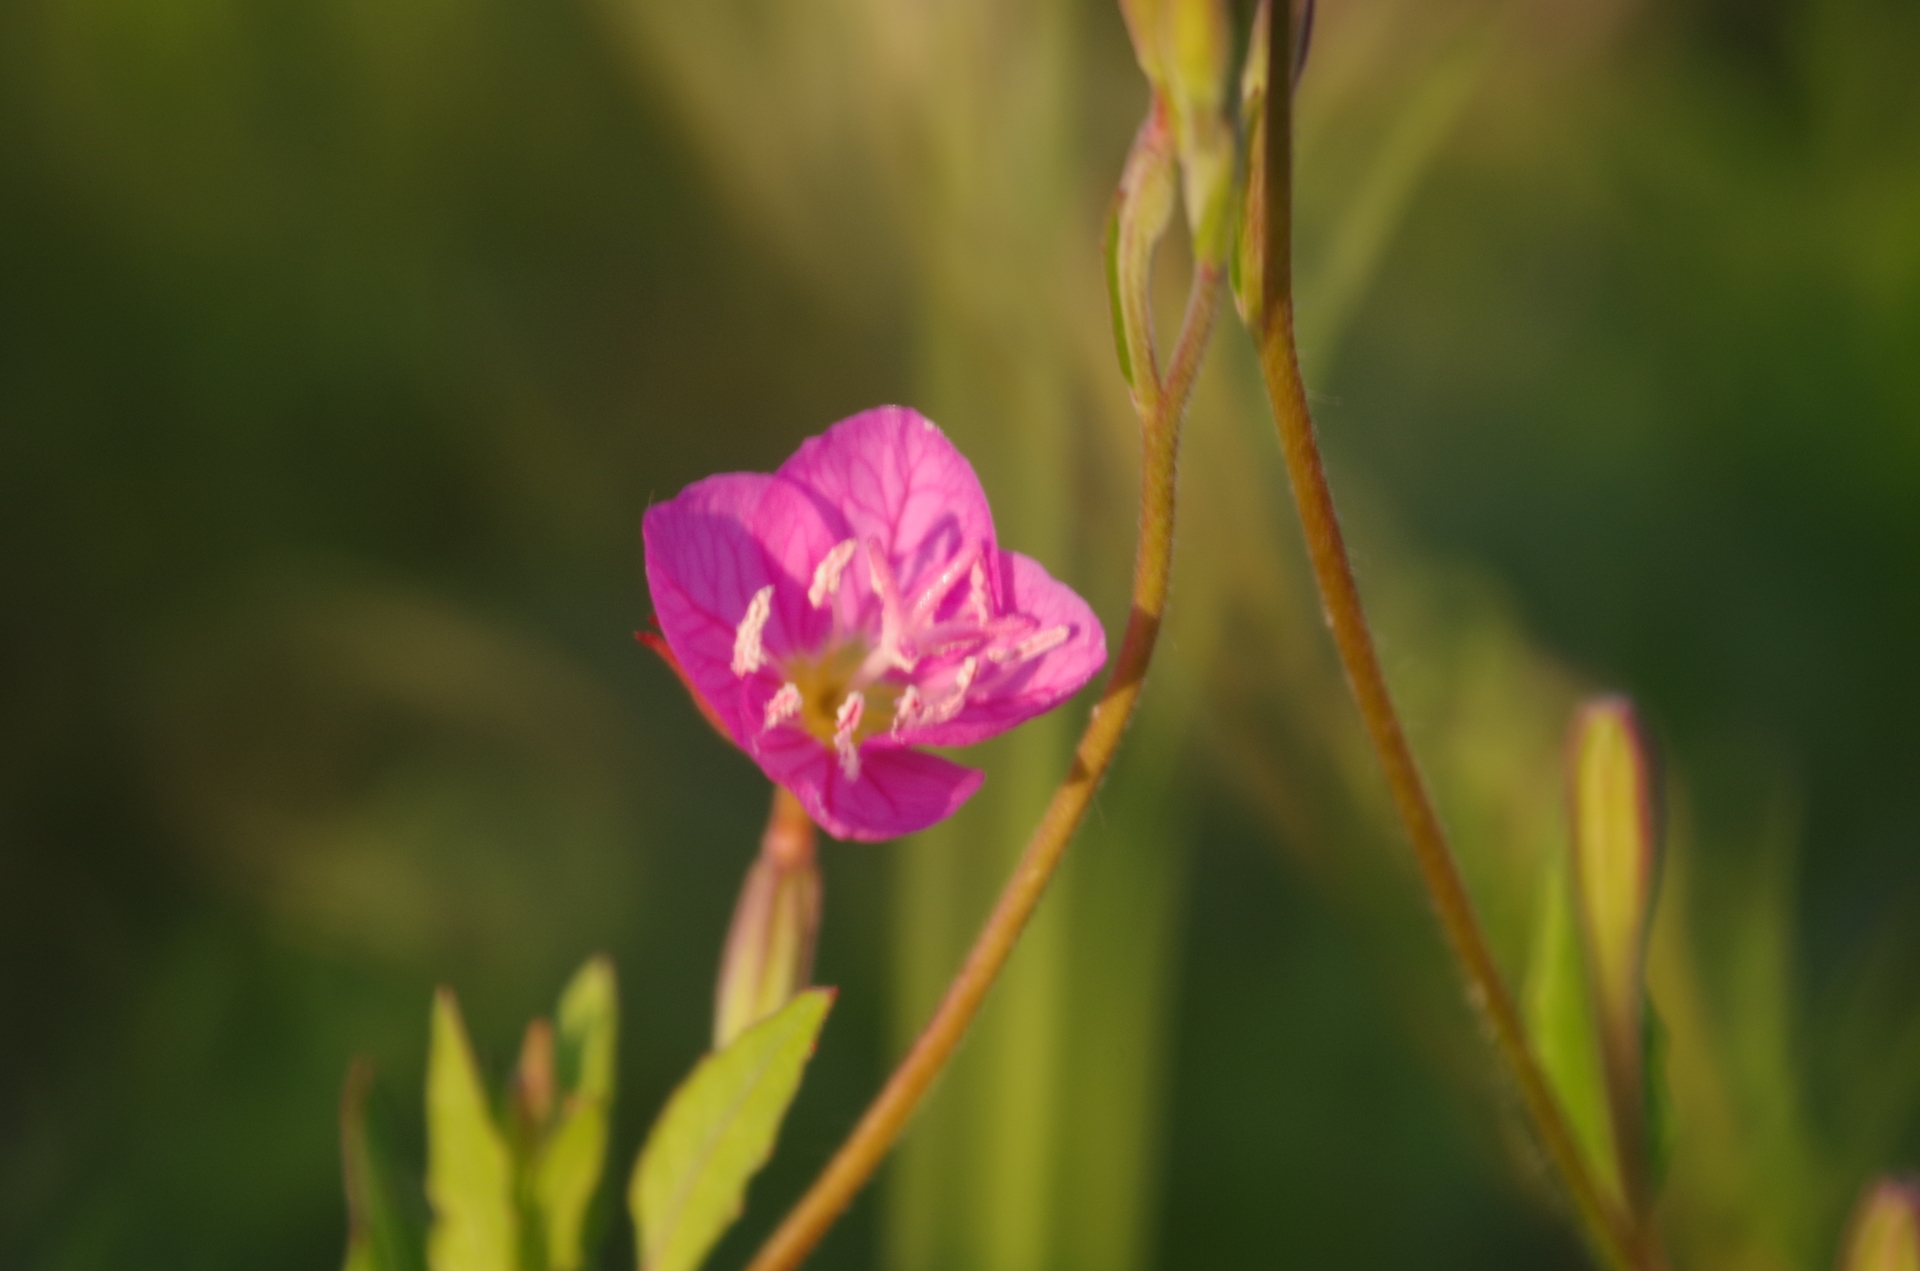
{"x": 1611, "y": 1232}
{"x": 887, "y": 1116}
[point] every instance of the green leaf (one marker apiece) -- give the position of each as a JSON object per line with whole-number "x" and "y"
{"x": 1614, "y": 861}
{"x": 469, "y": 1170}
{"x": 716, "y": 1132}
{"x": 1560, "y": 1023}
{"x": 566, "y": 1168}
{"x": 1662, "y": 1123}
{"x": 381, "y": 1235}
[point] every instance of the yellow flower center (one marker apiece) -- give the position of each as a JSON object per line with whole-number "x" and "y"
{"x": 824, "y": 683}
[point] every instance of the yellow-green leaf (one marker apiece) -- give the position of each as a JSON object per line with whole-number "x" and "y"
{"x": 567, "y": 1165}
{"x": 1614, "y": 863}
{"x": 1560, "y": 1023}
{"x": 715, "y": 1133}
{"x": 1613, "y": 852}
{"x": 469, "y": 1170}
{"x": 1885, "y": 1232}
{"x": 380, "y": 1234}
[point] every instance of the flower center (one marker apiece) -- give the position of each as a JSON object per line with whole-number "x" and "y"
{"x": 824, "y": 682}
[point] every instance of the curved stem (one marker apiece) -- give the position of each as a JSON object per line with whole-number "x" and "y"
{"x": 1611, "y": 1232}
{"x": 887, "y": 1116}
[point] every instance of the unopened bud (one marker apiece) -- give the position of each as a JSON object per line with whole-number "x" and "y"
{"x": 1184, "y": 47}
{"x": 1142, "y": 207}
{"x": 1247, "y": 260}
{"x": 1615, "y": 859}
{"x": 1884, "y": 1233}
{"x": 1246, "y": 269}
{"x": 533, "y": 1082}
{"x": 769, "y": 951}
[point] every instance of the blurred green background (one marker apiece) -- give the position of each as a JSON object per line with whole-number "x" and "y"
{"x": 343, "y": 344}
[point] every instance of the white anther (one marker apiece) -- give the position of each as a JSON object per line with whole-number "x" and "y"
{"x": 906, "y": 711}
{"x": 845, "y": 721}
{"x": 1034, "y": 645}
{"x": 956, "y": 696}
{"x": 826, "y": 578}
{"x": 782, "y": 706}
{"x": 977, "y": 594}
{"x": 936, "y": 590}
{"x": 748, "y": 656}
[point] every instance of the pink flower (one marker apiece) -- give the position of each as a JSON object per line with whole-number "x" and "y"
{"x": 855, "y": 605}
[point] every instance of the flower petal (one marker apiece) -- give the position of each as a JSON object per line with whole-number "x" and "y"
{"x": 898, "y": 791}
{"x": 708, "y": 551}
{"x": 1019, "y": 690}
{"x": 894, "y": 476}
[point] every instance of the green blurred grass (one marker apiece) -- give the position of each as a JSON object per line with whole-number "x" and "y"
{"x": 342, "y": 347}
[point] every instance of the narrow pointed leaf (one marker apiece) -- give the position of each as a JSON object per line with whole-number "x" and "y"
{"x": 715, "y": 1133}
{"x": 381, "y": 1234}
{"x": 1885, "y": 1232}
{"x": 1560, "y": 1023}
{"x": 1614, "y": 860}
{"x": 567, "y": 1167}
{"x": 469, "y": 1170}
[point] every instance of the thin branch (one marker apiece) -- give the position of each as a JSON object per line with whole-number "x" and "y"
{"x": 1610, "y": 1230}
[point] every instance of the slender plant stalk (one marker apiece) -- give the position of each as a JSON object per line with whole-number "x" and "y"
{"x": 1611, "y": 1232}
{"x": 890, "y": 1111}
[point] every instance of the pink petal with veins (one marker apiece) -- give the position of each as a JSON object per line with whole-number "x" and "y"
{"x": 708, "y": 551}
{"x": 898, "y": 792}
{"x": 892, "y": 474}
{"x": 1012, "y": 693}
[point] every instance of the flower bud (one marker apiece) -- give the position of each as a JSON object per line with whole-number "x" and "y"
{"x": 1184, "y": 47}
{"x": 1615, "y": 859}
{"x": 1142, "y": 206}
{"x": 1884, "y": 1233}
{"x": 1246, "y": 266}
{"x": 769, "y": 951}
{"x": 1246, "y": 271}
{"x": 534, "y": 1082}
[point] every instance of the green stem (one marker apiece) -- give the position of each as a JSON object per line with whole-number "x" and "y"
{"x": 1611, "y": 1232}
{"x": 890, "y": 1111}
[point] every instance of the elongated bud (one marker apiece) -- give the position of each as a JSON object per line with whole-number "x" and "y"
{"x": 1142, "y": 206}
{"x": 1615, "y": 860}
{"x": 769, "y": 952}
{"x": 1246, "y": 262}
{"x": 533, "y": 1082}
{"x": 1184, "y": 48}
{"x": 1884, "y": 1233}
{"x": 1246, "y": 268}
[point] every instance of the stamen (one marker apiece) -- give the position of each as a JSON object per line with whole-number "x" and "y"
{"x": 906, "y": 710}
{"x": 956, "y": 697}
{"x": 977, "y": 599}
{"x": 892, "y": 650}
{"x": 748, "y": 656}
{"x": 1031, "y": 647}
{"x": 845, "y": 721}
{"x": 826, "y": 578}
{"x": 782, "y": 706}
{"x": 936, "y": 591}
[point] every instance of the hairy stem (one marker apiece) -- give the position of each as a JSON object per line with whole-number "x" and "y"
{"x": 1610, "y": 1231}
{"x": 890, "y": 1111}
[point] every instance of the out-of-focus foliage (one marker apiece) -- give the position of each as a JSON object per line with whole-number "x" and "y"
{"x": 341, "y": 347}
{"x": 716, "y": 1132}
{"x": 470, "y": 1171}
